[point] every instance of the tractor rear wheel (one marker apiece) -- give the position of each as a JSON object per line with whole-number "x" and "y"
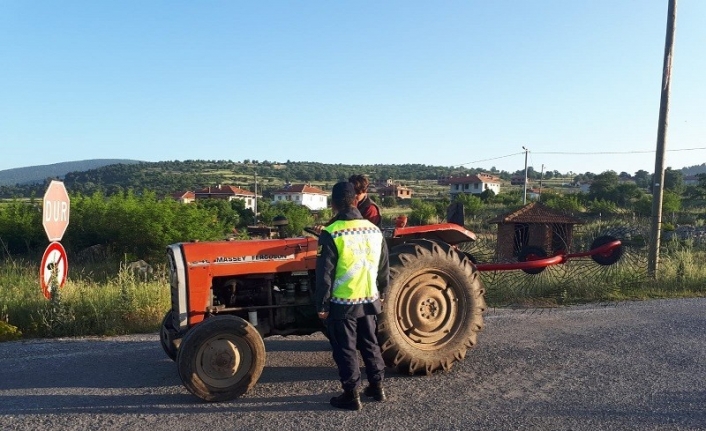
{"x": 433, "y": 308}
{"x": 221, "y": 358}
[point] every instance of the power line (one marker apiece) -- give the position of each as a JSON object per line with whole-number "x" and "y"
{"x": 614, "y": 152}
{"x": 579, "y": 153}
{"x": 494, "y": 158}
{"x": 592, "y": 153}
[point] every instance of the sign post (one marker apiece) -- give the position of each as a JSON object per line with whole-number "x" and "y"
{"x": 55, "y": 219}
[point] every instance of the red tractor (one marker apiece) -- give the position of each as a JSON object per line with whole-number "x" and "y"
{"x": 228, "y": 295}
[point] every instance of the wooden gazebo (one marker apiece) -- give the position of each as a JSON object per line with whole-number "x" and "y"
{"x": 533, "y": 226}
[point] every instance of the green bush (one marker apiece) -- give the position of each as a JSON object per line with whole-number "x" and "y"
{"x": 140, "y": 226}
{"x": 298, "y": 216}
{"x": 422, "y": 212}
{"x": 603, "y": 207}
{"x": 122, "y": 304}
{"x": 9, "y": 332}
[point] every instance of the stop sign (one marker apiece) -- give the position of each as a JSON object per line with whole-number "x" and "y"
{"x": 55, "y": 212}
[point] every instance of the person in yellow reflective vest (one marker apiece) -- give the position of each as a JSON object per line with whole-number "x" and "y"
{"x": 352, "y": 273}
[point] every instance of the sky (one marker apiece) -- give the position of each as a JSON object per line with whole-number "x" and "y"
{"x": 442, "y": 83}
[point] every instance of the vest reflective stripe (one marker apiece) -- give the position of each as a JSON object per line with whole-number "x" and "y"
{"x": 359, "y": 244}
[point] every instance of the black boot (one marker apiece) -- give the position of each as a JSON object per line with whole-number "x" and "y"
{"x": 349, "y": 400}
{"x": 376, "y": 391}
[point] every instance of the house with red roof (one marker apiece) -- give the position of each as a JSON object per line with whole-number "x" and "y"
{"x": 184, "y": 197}
{"x": 227, "y": 192}
{"x": 303, "y": 194}
{"x": 473, "y": 184}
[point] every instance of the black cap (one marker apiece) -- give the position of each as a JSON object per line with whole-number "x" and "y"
{"x": 342, "y": 190}
{"x": 343, "y": 194}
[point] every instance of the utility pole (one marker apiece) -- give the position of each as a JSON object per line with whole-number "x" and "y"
{"x": 524, "y": 187}
{"x": 255, "y": 206}
{"x": 658, "y": 178}
{"x": 541, "y": 177}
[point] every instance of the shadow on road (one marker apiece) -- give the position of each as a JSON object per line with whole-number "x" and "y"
{"x": 108, "y": 376}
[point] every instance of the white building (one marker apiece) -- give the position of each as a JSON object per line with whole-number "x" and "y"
{"x": 303, "y": 194}
{"x": 473, "y": 184}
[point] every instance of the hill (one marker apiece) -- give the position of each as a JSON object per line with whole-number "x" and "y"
{"x": 164, "y": 178}
{"x": 694, "y": 170}
{"x": 39, "y": 173}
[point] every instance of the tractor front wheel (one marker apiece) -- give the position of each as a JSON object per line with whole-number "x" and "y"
{"x": 221, "y": 358}
{"x": 433, "y": 308}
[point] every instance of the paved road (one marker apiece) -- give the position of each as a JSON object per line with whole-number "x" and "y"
{"x": 635, "y": 366}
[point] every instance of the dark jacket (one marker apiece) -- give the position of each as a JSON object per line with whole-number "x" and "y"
{"x": 370, "y": 211}
{"x": 326, "y": 260}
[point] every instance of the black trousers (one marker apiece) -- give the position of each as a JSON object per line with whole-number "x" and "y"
{"x": 349, "y": 335}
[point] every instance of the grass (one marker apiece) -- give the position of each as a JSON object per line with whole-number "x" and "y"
{"x": 106, "y": 299}
{"x": 680, "y": 275}
{"x": 122, "y": 304}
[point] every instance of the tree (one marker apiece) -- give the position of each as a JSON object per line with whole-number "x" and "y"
{"x": 603, "y": 186}
{"x": 674, "y": 181}
{"x": 138, "y": 226}
{"x": 298, "y": 216}
{"x": 442, "y": 207}
{"x": 566, "y": 203}
{"x": 487, "y": 195}
{"x": 225, "y": 212}
{"x": 246, "y": 216}
{"x": 582, "y": 178}
{"x": 625, "y": 194}
{"x": 512, "y": 198}
{"x": 21, "y": 227}
{"x": 671, "y": 202}
{"x": 694, "y": 193}
{"x": 702, "y": 180}
{"x": 472, "y": 204}
{"x": 389, "y": 202}
{"x": 643, "y": 206}
{"x": 642, "y": 179}
{"x": 422, "y": 212}
{"x": 603, "y": 207}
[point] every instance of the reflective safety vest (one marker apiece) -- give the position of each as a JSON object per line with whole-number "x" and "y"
{"x": 359, "y": 245}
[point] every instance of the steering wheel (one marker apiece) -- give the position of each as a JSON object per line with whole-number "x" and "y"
{"x": 312, "y": 231}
